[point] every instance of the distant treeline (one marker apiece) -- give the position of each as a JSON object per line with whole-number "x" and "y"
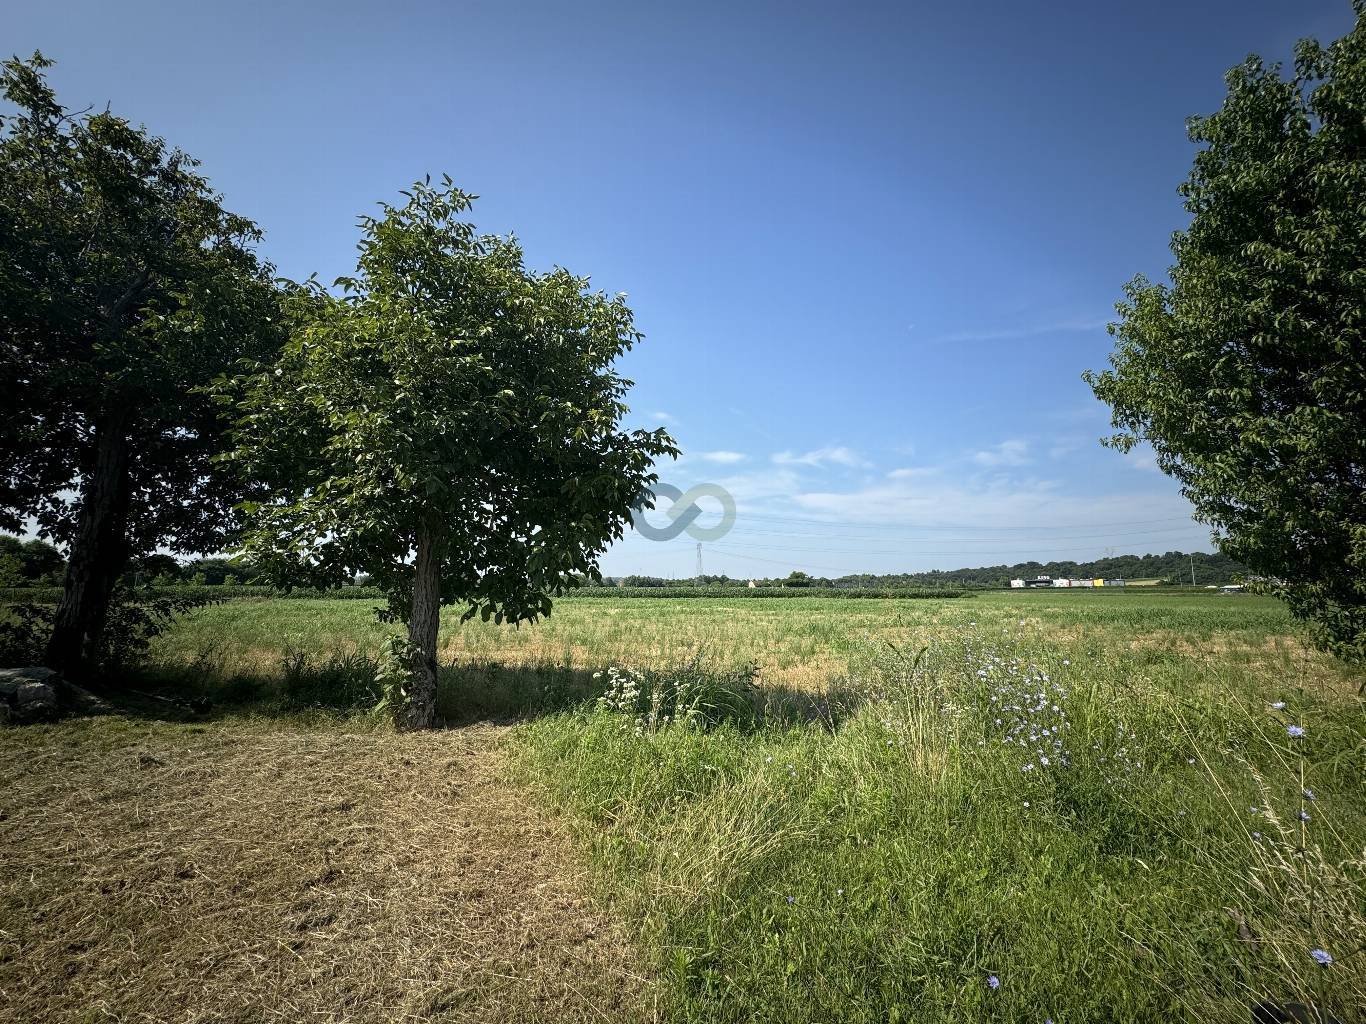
{"x": 1173, "y": 568}
{"x": 36, "y": 563}
{"x": 231, "y": 591}
{"x": 32, "y": 564}
{"x": 686, "y": 589}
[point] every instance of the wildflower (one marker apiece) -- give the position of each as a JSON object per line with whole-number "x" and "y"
{"x": 839, "y": 892}
{"x": 1190, "y": 760}
{"x": 1321, "y": 957}
{"x": 1278, "y": 706}
{"x": 995, "y": 982}
{"x": 1294, "y": 731}
{"x": 1026, "y": 803}
{"x": 1254, "y": 810}
{"x": 1257, "y": 836}
{"x": 1305, "y": 816}
{"x": 791, "y": 900}
{"x": 1309, "y": 794}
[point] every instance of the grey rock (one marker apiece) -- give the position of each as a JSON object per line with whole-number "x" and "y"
{"x": 33, "y": 692}
{"x": 12, "y": 678}
{"x": 36, "y": 693}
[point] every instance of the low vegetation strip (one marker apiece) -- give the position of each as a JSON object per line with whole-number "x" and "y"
{"x": 253, "y": 869}
{"x": 50, "y": 595}
{"x": 898, "y": 593}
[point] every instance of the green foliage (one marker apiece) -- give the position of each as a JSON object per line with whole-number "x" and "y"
{"x": 218, "y": 571}
{"x": 450, "y": 386}
{"x": 1248, "y": 372}
{"x": 156, "y": 566}
{"x": 126, "y": 287}
{"x": 343, "y": 681}
{"x": 27, "y": 563}
{"x": 692, "y": 696}
{"x": 134, "y": 621}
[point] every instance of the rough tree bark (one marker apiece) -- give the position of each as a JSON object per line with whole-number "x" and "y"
{"x": 423, "y": 624}
{"x": 99, "y": 553}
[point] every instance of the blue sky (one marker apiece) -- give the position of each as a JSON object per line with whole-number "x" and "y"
{"x": 872, "y": 247}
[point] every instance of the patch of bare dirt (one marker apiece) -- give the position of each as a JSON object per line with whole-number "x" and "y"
{"x": 249, "y": 872}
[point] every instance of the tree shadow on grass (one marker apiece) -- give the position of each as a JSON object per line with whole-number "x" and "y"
{"x": 828, "y": 708}
{"x": 339, "y": 684}
{"x": 342, "y": 684}
{"x": 488, "y": 691}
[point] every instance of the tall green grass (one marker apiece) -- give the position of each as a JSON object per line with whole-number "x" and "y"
{"x": 909, "y": 855}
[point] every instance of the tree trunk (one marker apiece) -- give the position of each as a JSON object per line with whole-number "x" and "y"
{"x": 423, "y": 624}
{"x": 99, "y": 553}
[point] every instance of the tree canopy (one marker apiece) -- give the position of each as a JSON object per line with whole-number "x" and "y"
{"x": 126, "y": 288}
{"x": 449, "y": 427}
{"x": 1247, "y": 373}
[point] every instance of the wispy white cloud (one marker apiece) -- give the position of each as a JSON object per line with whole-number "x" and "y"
{"x": 912, "y": 472}
{"x": 1144, "y": 458}
{"x": 997, "y": 503}
{"x": 724, "y": 458}
{"x": 1015, "y": 333}
{"x": 1014, "y": 452}
{"x": 836, "y": 455}
{"x": 663, "y": 417}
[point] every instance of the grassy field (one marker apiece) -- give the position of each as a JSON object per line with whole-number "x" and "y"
{"x": 1014, "y": 807}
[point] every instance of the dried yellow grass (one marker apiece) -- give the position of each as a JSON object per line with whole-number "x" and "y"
{"x": 241, "y": 871}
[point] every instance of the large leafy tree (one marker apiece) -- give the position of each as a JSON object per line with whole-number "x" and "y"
{"x": 1247, "y": 372}
{"x": 124, "y": 288}
{"x": 448, "y": 426}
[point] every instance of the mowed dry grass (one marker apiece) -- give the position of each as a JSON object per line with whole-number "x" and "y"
{"x": 251, "y": 870}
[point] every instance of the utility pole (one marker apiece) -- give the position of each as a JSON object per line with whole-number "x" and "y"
{"x": 1192, "y": 567}
{"x": 699, "y": 562}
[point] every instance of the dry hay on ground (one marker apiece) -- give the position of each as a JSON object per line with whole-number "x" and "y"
{"x": 240, "y": 873}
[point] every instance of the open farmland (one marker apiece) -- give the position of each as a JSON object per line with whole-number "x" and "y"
{"x": 1018, "y": 806}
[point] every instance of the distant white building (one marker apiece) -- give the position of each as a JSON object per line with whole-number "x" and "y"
{"x": 1017, "y": 584}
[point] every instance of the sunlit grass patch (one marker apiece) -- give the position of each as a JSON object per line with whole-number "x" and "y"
{"x": 990, "y": 807}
